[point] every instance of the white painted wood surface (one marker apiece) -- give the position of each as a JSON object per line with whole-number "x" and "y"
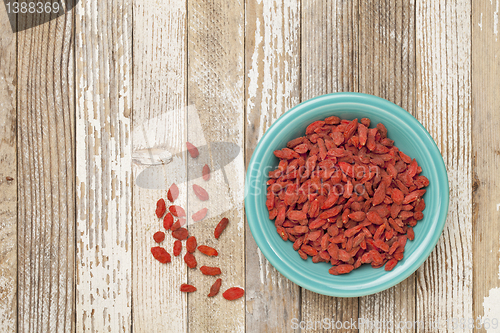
{"x": 46, "y": 171}
{"x": 159, "y": 126}
{"x": 215, "y": 124}
{"x": 8, "y": 173}
{"x": 486, "y": 158}
{"x": 272, "y": 74}
{"x": 443, "y": 102}
{"x": 150, "y": 74}
{"x": 104, "y": 165}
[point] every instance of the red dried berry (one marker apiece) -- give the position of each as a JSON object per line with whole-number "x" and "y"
{"x": 214, "y": 290}
{"x": 193, "y": 151}
{"x": 233, "y": 293}
{"x": 191, "y": 244}
{"x": 177, "y": 211}
{"x": 159, "y": 236}
{"x": 187, "y": 288}
{"x": 176, "y": 226}
{"x": 177, "y": 247}
{"x": 200, "y": 192}
{"x": 207, "y": 250}
{"x": 206, "y": 172}
{"x": 190, "y": 260}
{"x": 220, "y": 227}
{"x": 161, "y": 208}
{"x": 168, "y": 221}
{"x": 160, "y": 254}
{"x": 390, "y": 264}
{"x": 173, "y": 193}
{"x": 200, "y": 215}
{"x": 206, "y": 270}
{"x": 180, "y": 234}
{"x": 355, "y": 199}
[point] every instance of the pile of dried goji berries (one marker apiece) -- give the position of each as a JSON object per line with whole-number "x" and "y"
{"x": 181, "y": 234}
{"x": 344, "y": 194}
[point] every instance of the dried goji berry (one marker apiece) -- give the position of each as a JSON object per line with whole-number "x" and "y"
{"x": 161, "y": 208}
{"x": 346, "y": 195}
{"x": 206, "y": 270}
{"x": 190, "y": 260}
{"x": 187, "y": 288}
{"x": 233, "y": 293}
{"x": 193, "y": 151}
{"x": 176, "y": 226}
{"x": 220, "y": 227}
{"x": 390, "y": 264}
{"x": 160, "y": 254}
{"x": 191, "y": 244}
{"x": 200, "y": 215}
{"x": 177, "y": 211}
{"x": 206, "y": 172}
{"x": 173, "y": 193}
{"x": 168, "y": 221}
{"x": 159, "y": 236}
{"x": 177, "y": 247}
{"x": 200, "y": 192}
{"x": 214, "y": 290}
{"x": 180, "y": 234}
{"x": 207, "y": 250}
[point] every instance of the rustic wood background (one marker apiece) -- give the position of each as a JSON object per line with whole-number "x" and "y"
{"x": 77, "y": 91}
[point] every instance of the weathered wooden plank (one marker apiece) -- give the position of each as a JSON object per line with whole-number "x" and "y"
{"x": 329, "y": 64}
{"x": 443, "y": 104}
{"x": 103, "y": 168}
{"x": 216, "y": 125}
{"x": 486, "y": 158}
{"x": 387, "y": 69}
{"x": 272, "y": 73}
{"x": 159, "y": 129}
{"x": 46, "y": 192}
{"x": 8, "y": 173}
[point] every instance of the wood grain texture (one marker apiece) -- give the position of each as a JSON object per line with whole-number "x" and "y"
{"x": 443, "y": 49}
{"x": 486, "y": 157}
{"x": 103, "y": 168}
{"x": 8, "y": 173}
{"x": 216, "y": 126}
{"x": 46, "y": 193}
{"x": 272, "y": 74}
{"x": 329, "y": 64}
{"x": 387, "y": 69}
{"x": 159, "y": 127}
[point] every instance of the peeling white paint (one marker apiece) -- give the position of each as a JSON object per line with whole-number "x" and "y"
{"x": 480, "y": 23}
{"x": 491, "y": 307}
{"x": 261, "y": 265}
{"x": 495, "y": 20}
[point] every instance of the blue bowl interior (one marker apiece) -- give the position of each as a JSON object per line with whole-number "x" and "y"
{"x": 409, "y": 136}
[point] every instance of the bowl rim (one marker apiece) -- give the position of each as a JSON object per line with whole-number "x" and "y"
{"x": 361, "y": 100}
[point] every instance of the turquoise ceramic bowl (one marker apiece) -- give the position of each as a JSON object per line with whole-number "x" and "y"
{"x": 409, "y": 136}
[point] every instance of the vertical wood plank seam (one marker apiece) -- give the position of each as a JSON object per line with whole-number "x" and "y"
{"x": 17, "y": 173}
{"x": 132, "y": 178}
{"x": 471, "y": 162}
{"x": 357, "y": 89}
{"x": 415, "y": 281}
{"x": 244, "y": 159}
{"x": 301, "y": 9}
{"x": 75, "y": 254}
{"x": 186, "y": 124}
